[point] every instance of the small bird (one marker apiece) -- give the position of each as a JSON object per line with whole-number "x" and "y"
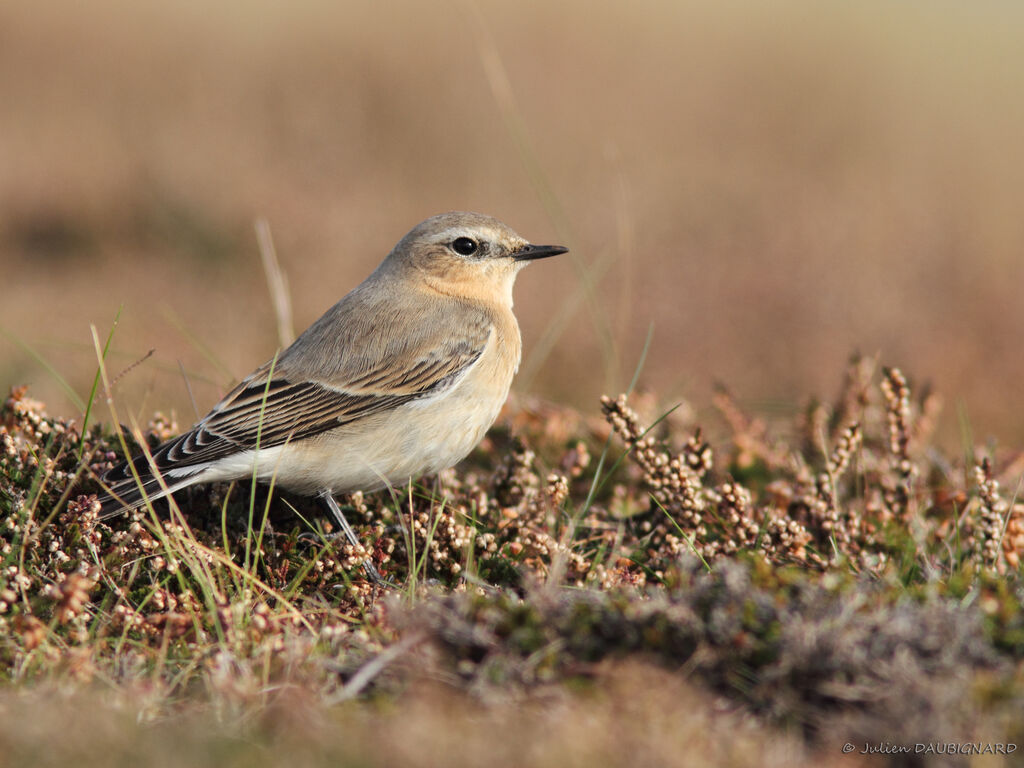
{"x": 400, "y": 378}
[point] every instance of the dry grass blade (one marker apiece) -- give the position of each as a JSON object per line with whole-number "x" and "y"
{"x": 277, "y": 284}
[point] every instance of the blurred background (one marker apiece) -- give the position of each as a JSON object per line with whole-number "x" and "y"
{"x": 770, "y": 185}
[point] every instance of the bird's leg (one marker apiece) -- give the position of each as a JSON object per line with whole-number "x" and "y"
{"x": 327, "y": 499}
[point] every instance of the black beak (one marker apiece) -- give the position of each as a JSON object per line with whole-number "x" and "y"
{"x": 532, "y": 252}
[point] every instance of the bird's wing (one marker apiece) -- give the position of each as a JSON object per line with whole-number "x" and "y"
{"x": 278, "y": 404}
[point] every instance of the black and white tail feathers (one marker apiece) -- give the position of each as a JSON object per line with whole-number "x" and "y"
{"x": 131, "y": 489}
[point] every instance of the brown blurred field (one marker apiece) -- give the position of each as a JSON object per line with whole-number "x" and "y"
{"x": 771, "y": 185}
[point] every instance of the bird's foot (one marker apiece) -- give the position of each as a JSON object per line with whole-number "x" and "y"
{"x": 317, "y": 539}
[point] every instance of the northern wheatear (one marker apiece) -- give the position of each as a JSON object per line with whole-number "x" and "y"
{"x": 400, "y": 378}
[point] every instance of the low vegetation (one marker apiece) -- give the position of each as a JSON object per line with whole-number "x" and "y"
{"x": 582, "y": 589}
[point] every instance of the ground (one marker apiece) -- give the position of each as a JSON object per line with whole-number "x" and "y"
{"x": 583, "y": 590}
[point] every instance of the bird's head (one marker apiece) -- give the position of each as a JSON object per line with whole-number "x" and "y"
{"x": 467, "y": 254}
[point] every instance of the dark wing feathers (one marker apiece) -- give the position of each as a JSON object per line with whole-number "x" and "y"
{"x": 287, "y": 413}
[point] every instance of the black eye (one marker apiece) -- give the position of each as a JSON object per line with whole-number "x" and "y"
{"x": 464, "y": 246}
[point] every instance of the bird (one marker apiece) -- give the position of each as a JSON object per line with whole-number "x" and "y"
{"x": 399, "y": 379}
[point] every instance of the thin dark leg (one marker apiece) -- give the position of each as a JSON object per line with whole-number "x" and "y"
{"x": 327, "y": 499}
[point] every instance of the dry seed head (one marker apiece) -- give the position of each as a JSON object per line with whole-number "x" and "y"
{"x": 856, "y": 392}
{"x": 576, "y": 459}
{"x": 849, "y": 441}
{"x": 897, "y": 400}
{"x": 735, "y": 512}
{"x": 814, "y": 424}
{"x": 31, "y": 630}
{"x": 990, "y": 515}
{"x": 749, "y": 435}
{"x": 897, "y": 406}
{"x": 698, "y": 454}
{"x": 1013, "y": 537}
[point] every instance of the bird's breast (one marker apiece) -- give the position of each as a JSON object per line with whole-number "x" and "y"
{"x": 417, "y": 438}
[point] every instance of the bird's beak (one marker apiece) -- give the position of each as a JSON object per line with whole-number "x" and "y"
{"x": 533, "y": 252}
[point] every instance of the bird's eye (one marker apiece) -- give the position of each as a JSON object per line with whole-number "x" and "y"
{"x": 464, "y": 246}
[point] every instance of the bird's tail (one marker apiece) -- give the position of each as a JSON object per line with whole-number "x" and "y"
{"x": 132, "y": 484}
